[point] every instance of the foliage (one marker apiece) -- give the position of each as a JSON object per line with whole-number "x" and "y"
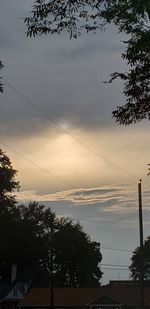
{"x": 76, "y": 258}
{"x": 132, "y": 17}
{"x": 8, "y": 211}
{"x": 1, "y": 85}
{"x": 58, "y": 16}
{"x": 136, "y": 261}
{"x": 25, "y": 240}
{"x": 8, "y": 182}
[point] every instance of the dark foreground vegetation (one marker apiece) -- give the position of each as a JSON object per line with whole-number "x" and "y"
{"x": 33, "y": 237}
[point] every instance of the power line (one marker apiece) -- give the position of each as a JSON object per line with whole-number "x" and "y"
{"x": 41, "y": 168}
{"x": 109, "y": 268}
{"x": 117, "y": 267}
{"x": 52, "y": 175}
{"x": 29, "y": 102}
{"x": 58, "y": 178}
{"x": 61, "y": 179}
{"x": 116, "y": 249}
{"x": 114, "y": 265}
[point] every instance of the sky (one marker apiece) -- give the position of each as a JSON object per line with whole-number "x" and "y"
{"x": 56, "y": 126}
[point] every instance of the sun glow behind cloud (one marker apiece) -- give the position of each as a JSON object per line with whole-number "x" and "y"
{"x": 101, "y": 157}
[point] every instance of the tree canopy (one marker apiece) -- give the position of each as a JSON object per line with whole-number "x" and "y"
{"x": 8, "y": 184}
{"x": 132, "y": 17}
{"x": 76, "y": 257}
{"x": 135, "y": 267}
{"x": 25, "y": 240}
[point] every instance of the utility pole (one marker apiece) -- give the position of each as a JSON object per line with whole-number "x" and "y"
{"x": 51, "y": 266}
{"x": 141, "y": 244}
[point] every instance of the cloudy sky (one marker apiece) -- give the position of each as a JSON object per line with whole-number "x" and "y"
{"x": 57, "y": 128}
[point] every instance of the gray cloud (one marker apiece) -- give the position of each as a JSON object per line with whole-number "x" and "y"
{"x": 61, "y": 77}
{"x": 116, "y": 199}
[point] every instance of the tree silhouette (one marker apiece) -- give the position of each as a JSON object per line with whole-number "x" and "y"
{"x": 25, "y": 240}
{"x": 8, "y": 182}
{"x": 135, "y": 267}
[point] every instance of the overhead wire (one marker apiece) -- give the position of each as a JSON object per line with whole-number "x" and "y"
{"x": 52, "y": 175}
{"x": 75, "y": 138}
{"x": 109, "y": 268}
{"x": 104, "y": 265}
{"x": 38, "y": 166}
{"x": 61, "y": 179}
{"x": 114, "y": 265}
{"x": 67, "y": 183}
{"x": 116, "y": 249}
{"x": 29, "y": 102}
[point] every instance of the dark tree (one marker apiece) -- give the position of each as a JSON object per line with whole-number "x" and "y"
{"x": 76, "y": 259}
{"x": 8, "y": 211}
{"x": 8, "y": 182}
{"x": 76, "y": 256}
{"x": 32, "y": 237}
{"x": 24, "y": 240}
{"x": 132, "y": 17}
{"x": 136, "y": 261}
{"x": 19, "y": 226}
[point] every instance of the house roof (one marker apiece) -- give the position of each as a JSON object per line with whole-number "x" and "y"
{"x": 40, "y": 297}
{"x": 6, "y": 287}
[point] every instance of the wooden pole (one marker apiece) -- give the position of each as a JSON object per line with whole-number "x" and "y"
{"x": 141, "y": 244}
{"x": 51, "y": 267}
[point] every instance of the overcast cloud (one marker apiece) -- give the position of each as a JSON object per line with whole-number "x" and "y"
{"x": 63, "y": 78}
